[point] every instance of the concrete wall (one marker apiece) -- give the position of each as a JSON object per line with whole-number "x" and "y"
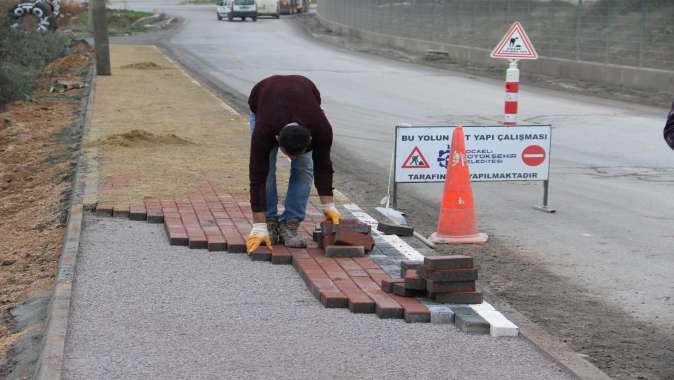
{"x": 628, "y": 76}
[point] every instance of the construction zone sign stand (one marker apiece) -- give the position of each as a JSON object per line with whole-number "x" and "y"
{"x": 516, "y": 45}
{"x": 493, "y": 153}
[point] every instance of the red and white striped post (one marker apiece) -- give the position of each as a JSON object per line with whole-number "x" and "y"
{"x": 512, "y": 93}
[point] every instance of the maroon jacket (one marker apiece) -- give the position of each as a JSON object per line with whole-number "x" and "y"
{"x": 277, "y": 101}
{"x": 669, "y": 128}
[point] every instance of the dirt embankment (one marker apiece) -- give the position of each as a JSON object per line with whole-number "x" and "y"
{"x": 39, "y": 145}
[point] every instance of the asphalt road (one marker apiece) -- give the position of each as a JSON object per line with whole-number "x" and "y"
{"x": 611, "y": 174}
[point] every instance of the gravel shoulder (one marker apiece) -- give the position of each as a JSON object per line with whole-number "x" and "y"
{"x": 150, "y": 310}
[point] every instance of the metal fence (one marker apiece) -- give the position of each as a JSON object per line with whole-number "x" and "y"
{"x": 624, "y": 32}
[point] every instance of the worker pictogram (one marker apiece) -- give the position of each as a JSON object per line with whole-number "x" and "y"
{"x": 515, "y": 45}
{"x": 415, "y": 160}
{"x": 533, "y": 155}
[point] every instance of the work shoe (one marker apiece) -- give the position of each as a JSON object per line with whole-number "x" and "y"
{"x": 289, "y": 234}
{"x": 273, "y": 228}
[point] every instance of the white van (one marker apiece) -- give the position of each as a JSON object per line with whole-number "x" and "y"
{"x": 237, "y": 8}
{"x": 268, "y": 8}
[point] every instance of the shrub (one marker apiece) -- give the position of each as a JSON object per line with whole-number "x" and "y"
{"x": 23, "y": 55}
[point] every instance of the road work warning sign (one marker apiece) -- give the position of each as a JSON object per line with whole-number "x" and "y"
{"x": 493, "y": 153}
{"x": 515, "y": 45}
{"x": 416, "y": 160}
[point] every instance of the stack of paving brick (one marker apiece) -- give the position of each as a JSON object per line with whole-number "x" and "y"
{"x": 350, "y": 238}
{"x": 444, "y": 279}
{"x": 450, "y": 279}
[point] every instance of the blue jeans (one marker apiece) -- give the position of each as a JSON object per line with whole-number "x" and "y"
{"x": 299, "y": 185}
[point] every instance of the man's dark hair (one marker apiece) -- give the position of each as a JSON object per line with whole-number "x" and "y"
{"x": 294, "y": 139}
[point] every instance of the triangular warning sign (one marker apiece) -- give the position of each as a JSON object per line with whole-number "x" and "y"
{"x": 416, "y": 160}
{"x": 515, "y": 45}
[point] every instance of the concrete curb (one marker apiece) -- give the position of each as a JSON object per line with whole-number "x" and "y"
{"x": 50, "y": 362}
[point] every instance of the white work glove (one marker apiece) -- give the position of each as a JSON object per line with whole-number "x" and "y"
{"x": 331, "y": 212}
{"x": 258, "y": 235}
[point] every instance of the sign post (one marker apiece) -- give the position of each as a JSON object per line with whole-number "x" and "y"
{"x": 494, "y": 153}
{"x": 516, "y": 45}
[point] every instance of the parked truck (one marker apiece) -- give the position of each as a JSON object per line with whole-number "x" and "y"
{"x": 289, "y": 7}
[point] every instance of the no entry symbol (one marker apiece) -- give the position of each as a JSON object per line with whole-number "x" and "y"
{"x": 533, "y": 155}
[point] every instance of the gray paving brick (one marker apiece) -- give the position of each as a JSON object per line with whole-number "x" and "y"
{"x": 468, "y": 321}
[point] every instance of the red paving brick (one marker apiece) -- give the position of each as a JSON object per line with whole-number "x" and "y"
{"x": 281, "y": 255}
{"x": 220, "y": 221}
{"x": 385, "y": 306}
{"x": 345, "y": 236}
{"x": 261, "y": 254}
{"x": 104, "y": 209}
{"x": 121, "y": 211}
{"x": 413, "y": 310}
{"x": 137, "y": 212}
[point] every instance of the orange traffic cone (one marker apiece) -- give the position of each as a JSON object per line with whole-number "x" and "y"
{"x": 457, "y": 223}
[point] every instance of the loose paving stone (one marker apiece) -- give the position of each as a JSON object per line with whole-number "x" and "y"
{"x": 409, "y": 264}
{"x": 458, "y": 297}
{"x": 120, "y": 211}
{"x": 448, "y": 262}
{"x": 413, "y": 282}
{"x": 413, "y": 310}
{"x": 447, "y": 287}
{"x": 103, "y": 209}
{"x": 387, "y": 285}
{"x": 401, "y": 290}
{"x": 155, "y": 216}
{"x": 216, "y": 242}
{"x": 261, "y": 254}
{"x": 137, "y": 212}
{"x": 395, "y": 229}
{"x": 280, "y": 255}
{"x": 441, "y": 314}
{"x": 344, "y": 251}
{"x": 499, "y": 325}
{"x": 345, "y": 236}
{"x": 385, "y": 306}
{"x": 352, "y": 225}
{"x": 448, "y": 275}
{"x": 468, "y": 321}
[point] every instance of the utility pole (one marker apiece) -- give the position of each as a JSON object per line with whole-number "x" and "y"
{"x": 90, "y": 16}
{"x": 101, "y": 42}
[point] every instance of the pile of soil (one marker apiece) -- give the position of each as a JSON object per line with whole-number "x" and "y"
{"x": 68, "y": 64}
{"x": 144, "y": 66}
{"x": 139, "y": 138}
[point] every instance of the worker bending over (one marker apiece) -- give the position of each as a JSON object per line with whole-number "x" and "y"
{"x": 286, "y": 114}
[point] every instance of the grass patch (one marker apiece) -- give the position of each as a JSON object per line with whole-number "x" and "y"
{"x": 120, "y": 22}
